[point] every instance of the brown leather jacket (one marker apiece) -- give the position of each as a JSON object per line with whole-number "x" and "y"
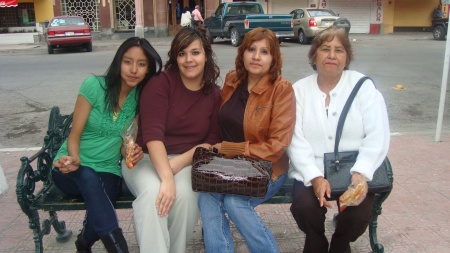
{"x": 269, "y": 121}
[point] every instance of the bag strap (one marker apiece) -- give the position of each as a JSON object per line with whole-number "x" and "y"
{"x": 344, "y": 113}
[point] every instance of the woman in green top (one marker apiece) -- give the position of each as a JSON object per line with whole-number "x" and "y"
{"x": 87, "y": 164}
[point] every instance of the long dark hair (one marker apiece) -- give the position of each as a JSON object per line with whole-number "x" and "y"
{"x": 113, "y": 76}
{"x": 182, "y": 40}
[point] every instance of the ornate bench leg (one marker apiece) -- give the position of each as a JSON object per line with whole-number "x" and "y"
{"x": 60, "y": 228}
{"x": 34, "y": 224}
{"x": 374, "y": 244}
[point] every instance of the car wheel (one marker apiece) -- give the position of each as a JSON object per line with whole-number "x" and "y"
{"x": 302, "y": 38}
{"x": 50, "y": 49}
{"x": 280, "y": 40}
{"x": 209, "y": 37}
{"x": 89, "y": 47}
{"x": 236, "y": 39}
{"x": 439, "y": 33}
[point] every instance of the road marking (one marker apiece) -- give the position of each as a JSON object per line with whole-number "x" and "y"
{"x": 19, "y": 149}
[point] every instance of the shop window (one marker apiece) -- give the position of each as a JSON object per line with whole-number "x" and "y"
{"x": 125, "y": 15}
{"x": 20, "y": 16}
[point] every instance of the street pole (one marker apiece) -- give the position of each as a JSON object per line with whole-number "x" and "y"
{"x": 443, "y": 89}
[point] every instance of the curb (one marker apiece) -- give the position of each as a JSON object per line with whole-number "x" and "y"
{"x": 3, "y": 184}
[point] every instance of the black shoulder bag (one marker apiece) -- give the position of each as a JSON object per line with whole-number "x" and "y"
{"x": 337, "y": 165}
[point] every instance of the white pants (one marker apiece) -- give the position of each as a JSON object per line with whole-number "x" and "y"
{"x": 156, "y": 233}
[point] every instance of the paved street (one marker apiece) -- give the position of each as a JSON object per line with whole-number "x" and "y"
{"x": 33, "y": 81}
{"x": 414, "y": 218}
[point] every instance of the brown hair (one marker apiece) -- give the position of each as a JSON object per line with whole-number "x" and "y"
{"x": 258, "y": 34}
{"x": 328, "y": 35}
{"x": 182, "y": 40}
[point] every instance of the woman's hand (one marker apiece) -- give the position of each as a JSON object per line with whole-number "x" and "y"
{"x": 322, "y": 187}
{"x": 132, "y": 153}
{"x": 360, "y": 179}
{"x": 67, "y": 164}
{"x": 218, "y": 146}
{"x": 137, "y": 154}
{"x": 166, "y": 197}
{"x": 177, "y": 163}
{"x": 355, "y": 193}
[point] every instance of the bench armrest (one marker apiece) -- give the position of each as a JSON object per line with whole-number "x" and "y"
{"x": 28, "y": 178}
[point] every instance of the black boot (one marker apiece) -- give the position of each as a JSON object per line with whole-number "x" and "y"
{"x": 115, "y": 242}
{"x": 82, "y": 245}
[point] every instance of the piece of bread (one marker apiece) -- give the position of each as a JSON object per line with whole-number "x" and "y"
{"x": 129, "y": 151}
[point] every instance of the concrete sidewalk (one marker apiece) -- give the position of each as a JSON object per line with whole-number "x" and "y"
{"x": 414, "y": 218}
{"x": 97, "y": 44}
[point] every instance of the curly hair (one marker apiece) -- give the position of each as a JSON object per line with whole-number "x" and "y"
{"x": 328, "y": 35}
{"x": 258, "y": 34}
{"x": 182, "y": 40}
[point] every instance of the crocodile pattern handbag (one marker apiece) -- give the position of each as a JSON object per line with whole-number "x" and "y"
{"x": 240, "y": 175}
{"x": 337, "y": 165}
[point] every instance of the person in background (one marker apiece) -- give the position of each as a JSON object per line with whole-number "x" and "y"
{"x": 320, "y": 98}
{"x": 179, "y": 112}
{"x": 197, "y": 16}
{"x": 438, "y": 12}
{"x": 87, "y": 163}
{"x": 256, "y": 119}
{"x": 186, "y": 18}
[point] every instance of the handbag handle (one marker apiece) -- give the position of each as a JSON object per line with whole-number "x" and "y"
{"x": 344, "y": 113}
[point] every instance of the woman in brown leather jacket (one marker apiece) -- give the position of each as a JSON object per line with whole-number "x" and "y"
{"x": 256, "y": 119}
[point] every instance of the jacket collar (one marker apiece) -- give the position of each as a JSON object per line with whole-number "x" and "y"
{"x": 260, "y": 87}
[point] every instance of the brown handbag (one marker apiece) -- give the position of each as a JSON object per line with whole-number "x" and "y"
{"x": 241, "y": 175}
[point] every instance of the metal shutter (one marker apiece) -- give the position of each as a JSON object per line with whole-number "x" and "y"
{"x": 357, "y": 11}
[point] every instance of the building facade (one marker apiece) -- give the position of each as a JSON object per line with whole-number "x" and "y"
{"x": 161, "y": 17}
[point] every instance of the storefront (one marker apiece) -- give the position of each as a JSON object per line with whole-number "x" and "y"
{"x": 17, "y": 15}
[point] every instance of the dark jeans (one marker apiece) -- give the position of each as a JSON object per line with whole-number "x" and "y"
{"x": 99, "y": 191}
{"x": 310, "y": 218}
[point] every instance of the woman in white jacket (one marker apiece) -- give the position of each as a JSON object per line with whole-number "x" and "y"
{"x": 320, "y": 99}
{"x": 186, "y": 18}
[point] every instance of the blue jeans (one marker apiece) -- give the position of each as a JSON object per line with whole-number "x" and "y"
{"x": 99, "y": 191}
{"x": 240, "y": 210}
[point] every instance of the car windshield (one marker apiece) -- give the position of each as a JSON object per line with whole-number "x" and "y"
{"x": 320, "y": 13}
{"x": 71, "y": 21}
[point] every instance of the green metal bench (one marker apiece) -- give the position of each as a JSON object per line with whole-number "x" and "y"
{"x": 35, "y": 189}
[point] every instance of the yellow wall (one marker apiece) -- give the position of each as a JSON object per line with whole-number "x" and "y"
{"x": 43, "y": 10}
{"x": 388, "y": 17}
{"x": 414, "y": 13}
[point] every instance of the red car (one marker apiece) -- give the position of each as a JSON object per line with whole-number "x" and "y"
{"x": 68, "y": 31}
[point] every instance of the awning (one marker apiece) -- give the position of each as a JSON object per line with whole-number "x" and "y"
{"x": 8, "y": 3}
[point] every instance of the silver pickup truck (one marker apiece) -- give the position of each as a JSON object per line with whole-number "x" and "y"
{"x": 234, "y": 20}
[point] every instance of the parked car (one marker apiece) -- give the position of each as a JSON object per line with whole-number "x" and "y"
{"x": 308, "y": 22}
{"x": 234, "y": 20}
{"x": 68, "y": 31}
{"x": 439, "y": 28}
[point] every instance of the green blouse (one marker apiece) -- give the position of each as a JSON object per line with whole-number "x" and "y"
{"x": 101, "y": 141}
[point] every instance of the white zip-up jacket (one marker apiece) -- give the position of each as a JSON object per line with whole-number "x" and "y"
{"x": 366, "y": 127}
